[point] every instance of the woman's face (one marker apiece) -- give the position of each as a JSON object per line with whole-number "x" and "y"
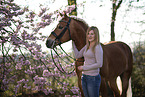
{"x": 91, "y": 36}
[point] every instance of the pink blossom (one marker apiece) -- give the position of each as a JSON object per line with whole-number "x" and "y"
{"x": 43, "y": 10}
{"x": 27, "y": 62}
{"x": 67, "y": 95}
{"x": 27, "y": 87}
{"x": 69, "y": 9}
{"x": 46, "y": 73}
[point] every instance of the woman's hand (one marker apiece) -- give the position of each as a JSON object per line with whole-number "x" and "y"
{"x": 80, "y": 68}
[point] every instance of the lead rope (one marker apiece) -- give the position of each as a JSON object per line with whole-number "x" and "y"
{"x": 61, "y": 68}
{"x": 69, "y": 55}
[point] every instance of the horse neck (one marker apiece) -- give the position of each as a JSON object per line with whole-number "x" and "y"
{"x": 79, "y": 34}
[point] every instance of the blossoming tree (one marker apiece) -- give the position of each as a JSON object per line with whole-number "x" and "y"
{"x": 24, "y": 68}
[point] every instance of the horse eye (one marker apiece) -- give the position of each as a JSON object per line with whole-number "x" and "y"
{"x": 60, "y": 27}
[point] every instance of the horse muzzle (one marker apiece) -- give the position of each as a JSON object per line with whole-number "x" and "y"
{"x": 50, "y": 43}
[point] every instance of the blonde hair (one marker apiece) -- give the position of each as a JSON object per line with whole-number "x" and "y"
{"x": 97, "y": 38}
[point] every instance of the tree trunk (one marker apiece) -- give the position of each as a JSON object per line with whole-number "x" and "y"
{"x": 113, "y": 26}
{"x": 114, "y": 12}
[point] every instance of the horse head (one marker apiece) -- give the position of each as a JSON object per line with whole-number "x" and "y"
{"x": 61, "y": 33}
{"x": 68, "y": 28}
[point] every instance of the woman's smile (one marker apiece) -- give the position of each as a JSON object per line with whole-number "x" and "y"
{"x": 91, "y": 36}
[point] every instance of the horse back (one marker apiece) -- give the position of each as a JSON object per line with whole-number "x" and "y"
{"x": 117, "y": 58}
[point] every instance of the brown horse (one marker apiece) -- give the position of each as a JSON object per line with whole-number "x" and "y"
{"x": 117, "y": 58}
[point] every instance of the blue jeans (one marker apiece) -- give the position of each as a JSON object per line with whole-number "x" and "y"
{"x": 91, "y": 85}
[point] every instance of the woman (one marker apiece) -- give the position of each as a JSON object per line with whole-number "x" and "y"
{"x": 93, "y": 55}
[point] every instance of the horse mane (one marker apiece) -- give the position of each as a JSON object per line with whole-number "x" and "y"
{"x": 81, "y": 22}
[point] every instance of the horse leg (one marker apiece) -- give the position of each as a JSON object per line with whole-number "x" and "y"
{"x": 113, "y": 86}
{"x": 103, "y": 88}
{"x": 79, "y": 74}
{"x": 80, "y": 84}
{"x": 125, "y": 82}
{"x": 129, "y": 91}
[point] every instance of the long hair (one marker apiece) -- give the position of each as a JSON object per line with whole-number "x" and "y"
{"x": 97, "y": 38}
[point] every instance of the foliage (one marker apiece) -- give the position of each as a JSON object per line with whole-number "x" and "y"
{"x": 24, "y": 68}
{"x": 73, "y": 2}
{"x": 138, "y": 79}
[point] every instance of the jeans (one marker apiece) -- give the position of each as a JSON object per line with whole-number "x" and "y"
{"x": 91, "y": 85}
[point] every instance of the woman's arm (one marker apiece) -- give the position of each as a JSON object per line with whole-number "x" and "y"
{"x": 78, "y": 54}
{"x": 98, "y": 57}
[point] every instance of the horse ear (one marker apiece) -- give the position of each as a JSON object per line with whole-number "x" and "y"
{"x": 65, "y": 15}
{"x": 61, "y": 14}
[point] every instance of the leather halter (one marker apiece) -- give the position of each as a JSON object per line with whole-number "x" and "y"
{"x": 58, "y": 37}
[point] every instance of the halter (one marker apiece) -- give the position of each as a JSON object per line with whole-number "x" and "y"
{"x": 58, "y": 37}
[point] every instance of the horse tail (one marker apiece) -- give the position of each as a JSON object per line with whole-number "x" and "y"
{"x": 129, "y": 56}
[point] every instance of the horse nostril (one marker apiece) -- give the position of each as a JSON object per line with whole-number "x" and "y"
{"x": 49, "y": 43}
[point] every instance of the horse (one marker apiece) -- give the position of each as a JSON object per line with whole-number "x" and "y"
{"x": 117, "y": 56}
